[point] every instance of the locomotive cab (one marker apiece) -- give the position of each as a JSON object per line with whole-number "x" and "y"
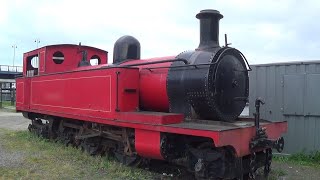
{"x": 60, "y": 58}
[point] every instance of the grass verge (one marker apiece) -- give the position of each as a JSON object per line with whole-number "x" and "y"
{"x": 44, "y": 159}
{"x": 6, "y": 103}
{"x": 312, "y": 159}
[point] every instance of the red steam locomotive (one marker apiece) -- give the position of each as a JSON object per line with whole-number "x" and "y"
{"x": 183, "y": 109}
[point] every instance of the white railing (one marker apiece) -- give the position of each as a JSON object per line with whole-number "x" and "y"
{"x": 11, "y": 68}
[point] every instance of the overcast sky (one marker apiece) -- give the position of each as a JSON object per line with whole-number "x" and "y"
{"x": 265, "y": 31}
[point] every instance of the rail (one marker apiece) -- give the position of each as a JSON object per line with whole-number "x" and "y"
{"x": 7, "y": 68}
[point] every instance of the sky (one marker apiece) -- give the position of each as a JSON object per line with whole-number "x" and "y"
{"x": 263, "y": 30}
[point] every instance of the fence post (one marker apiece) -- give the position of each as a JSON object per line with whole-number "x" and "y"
{"x": 11, "y": 93}
{"x": 14, "y": 94}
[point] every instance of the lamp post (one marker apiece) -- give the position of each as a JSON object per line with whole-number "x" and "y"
{"x": 36, "y": 60}
{"x": 37, "y": 41}
{"x": 14, "y": 53}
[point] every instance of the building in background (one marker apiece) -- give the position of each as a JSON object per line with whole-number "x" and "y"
{"x": 8, "y": 82}
{"x": 292, "y": 93}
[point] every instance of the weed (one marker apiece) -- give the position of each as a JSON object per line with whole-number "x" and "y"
{"x": 44, "y": 159}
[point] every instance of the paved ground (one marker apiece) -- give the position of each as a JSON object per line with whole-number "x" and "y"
{"x": 293, "y": 171}
{"x": 13, "y": 120}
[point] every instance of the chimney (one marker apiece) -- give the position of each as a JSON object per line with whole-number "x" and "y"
{"x": 209, "y": 29}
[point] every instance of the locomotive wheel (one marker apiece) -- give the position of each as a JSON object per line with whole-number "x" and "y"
{"x": 53, "y": 125}
{"x": 38, "y": 128}
{"x": 133, "y": 160}
{"x": 209, "y": 163}
{"x": 67, "y": 138}
{"x": 92, "y": 146}
{"x": 46, "y": 129}
{"x": 66, "y": 134}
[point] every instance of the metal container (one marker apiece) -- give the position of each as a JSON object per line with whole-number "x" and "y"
{"x": 292, "y": 93}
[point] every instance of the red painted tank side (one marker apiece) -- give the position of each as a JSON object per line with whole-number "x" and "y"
{"x": 88, "y": 93}
{"x": 153, "y": 84}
